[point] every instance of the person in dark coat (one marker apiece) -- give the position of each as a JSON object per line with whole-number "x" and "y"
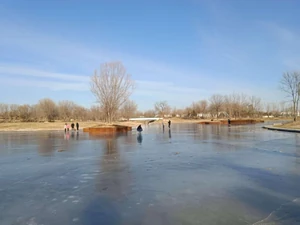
{"x": 77, "y": 126}
{"x": 139, "y": 128}
{"x": 72, "y": 126}
{"x": 169, "y": 123}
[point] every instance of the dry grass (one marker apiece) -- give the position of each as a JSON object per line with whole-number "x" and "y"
{"x": 34, "y": 126}
{"x": 292, "y": 125}
{"x": 59, "y": 125}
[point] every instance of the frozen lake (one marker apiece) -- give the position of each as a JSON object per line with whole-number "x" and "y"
{"x": 191, "y": 174}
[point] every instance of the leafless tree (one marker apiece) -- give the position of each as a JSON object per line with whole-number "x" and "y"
{"x": 48, "y": 108}
{"x": 37, "y": 113}
{"x": 195, "y": 107}
{"x": 229, "y": 104}
{"x": 188, "y": 112}
{"x": 25, "y": 112}
{"x": 13, "y": 112}
{"x": 289, "y": 110}
{"x": 243, "y": 105}
{"x": 139, "y": 113}
{"x": 290, "y": 84}
{"x": 96, "y": 113}
{"x": 149, "y": 113}
{"x": 275, "y": 109}
{"x": 237, "y": 105}
{"x": 112, "y": 87}
{"x": 203, "y": 106}
{"x": 162, "y": 108}
{"x": 268, "y": 109}
{"x": 216, "y": 104}
{"x": 79, "y": 113}
{"x": 4, "y": 111}
{"x": 284, "y": 109}
{"x": 65, "y": 109}
{"x": 254, "y": 106}
{"x": 128, "y": 109}
{"x": 177, "y": 112}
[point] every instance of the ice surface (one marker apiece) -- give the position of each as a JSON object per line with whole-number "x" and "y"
{"x": 192, "y": 174}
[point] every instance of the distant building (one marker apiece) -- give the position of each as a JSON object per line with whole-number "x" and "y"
{"x": 289, "y": 113}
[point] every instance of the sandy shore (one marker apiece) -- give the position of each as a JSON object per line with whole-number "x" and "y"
{"x": 59, "y": 125}
{"x": 292, "y": 125}
{"x": 34, "y": 126}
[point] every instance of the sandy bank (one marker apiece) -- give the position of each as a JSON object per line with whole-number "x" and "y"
{"x": 34, "y": 126}
{"x": 291, "y": 125}
{"x": 59, "y": 125}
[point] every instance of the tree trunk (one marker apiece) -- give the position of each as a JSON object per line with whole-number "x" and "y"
{"x": 295, "y": 117}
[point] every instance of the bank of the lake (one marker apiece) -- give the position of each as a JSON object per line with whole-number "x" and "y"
{"x": 59, "y": 125}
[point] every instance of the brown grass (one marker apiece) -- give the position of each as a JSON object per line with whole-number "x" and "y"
{"x": 59, "y": 125}
{"x": 34, "y": 126}
{"x": 292, "y": 125}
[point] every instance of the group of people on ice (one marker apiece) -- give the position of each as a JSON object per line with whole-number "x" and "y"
{"x": 67, "y": 126}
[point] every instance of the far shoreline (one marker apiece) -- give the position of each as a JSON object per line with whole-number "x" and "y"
{"x": 59, "y": 125}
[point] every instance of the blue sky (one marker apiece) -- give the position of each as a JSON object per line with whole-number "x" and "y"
{"x": 178, "y": 51}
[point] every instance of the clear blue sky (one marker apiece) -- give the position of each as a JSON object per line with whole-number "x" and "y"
{"x": 178, "y": 51}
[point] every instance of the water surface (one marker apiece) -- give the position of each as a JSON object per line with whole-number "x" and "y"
{"x": 190, "y": 174}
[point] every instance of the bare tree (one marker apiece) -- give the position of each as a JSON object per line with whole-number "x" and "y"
{"x": 149, "y": 113}
{"x": 79, "y": 113}
{"x": 176, "y": 112}
{"x": 128, "y": 109}
{"x": 196, "y": 108}
{"x": 268, "y": 109}
{"x": 162, "y": 108}
{"x": 289, "y": 83}
{"x": 243, "y": 105}
{"x": 48, "y": 108}
{"x": 229, "y": 104}
{"x": 239, "y": 105}
{"x": 203, "y": 106}
{"x": 37, "y": 113}
{"x": 13, "y": 112}
{"x": 254, "y": 106}
{"x": 283, "y": 108}
{"x": 65, "y": 109}
{"x": 216, "y": 104}
{"x": 96, "y": 113}
{"x": 25, "y": 112}
{"x": 4, "y": 111}
{"x": 188, "y": 112}
{"x": 112, "y": 87}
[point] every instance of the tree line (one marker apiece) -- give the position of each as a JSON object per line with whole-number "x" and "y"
{"x": 48, "y": 110}
{"x": 217, "y": 106}
{"x": 224, "y": 106}
{"x": 112, "y": 87}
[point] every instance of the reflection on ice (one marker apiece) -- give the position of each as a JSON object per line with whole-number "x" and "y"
{"x": 140, "y": 138}
{"x": 189, "y": 174}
